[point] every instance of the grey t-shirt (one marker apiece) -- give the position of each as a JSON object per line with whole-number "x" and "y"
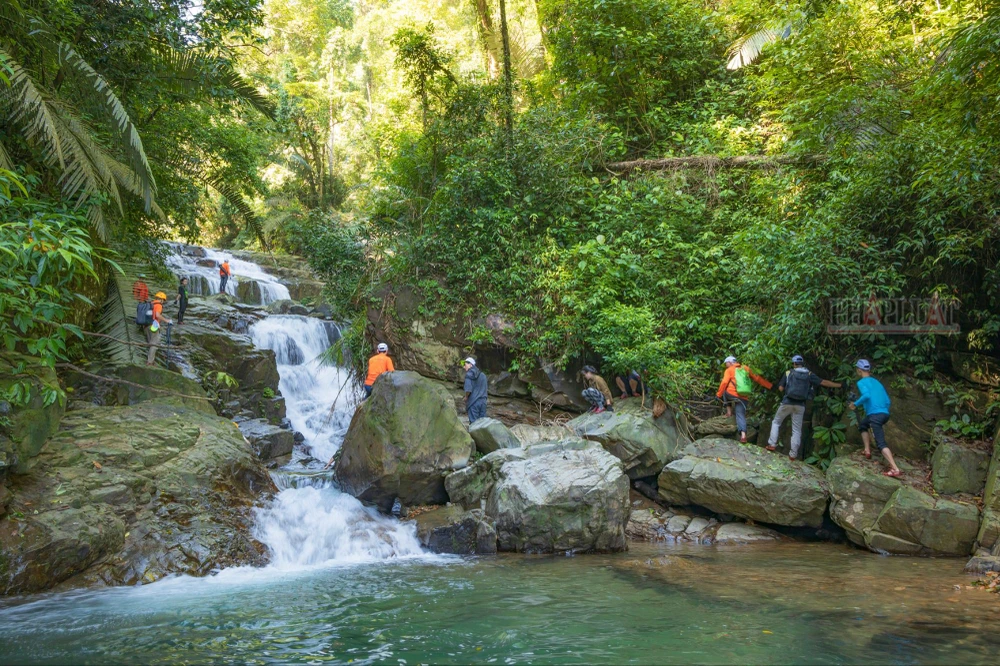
{"x": 475, "y": 385}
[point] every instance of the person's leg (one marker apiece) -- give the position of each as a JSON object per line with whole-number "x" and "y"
{"x": 620, "y": 381}
{"x": 877, "y": 421}
{"x": 798, "y": 414}
{"x": 863, "y": 426}
{"x": 741, "y": 417}
{"x": 368, "y": 392}
{"x": 154, "y": 341}
{"x": 222, "y": 283}
{"x": 779, "y": 418}
{"x": 180, "y": 313}
{"x": 477, "y": 411}
{"x": 594, "y": 397}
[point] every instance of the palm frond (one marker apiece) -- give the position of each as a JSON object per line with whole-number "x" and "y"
{"x": 236, "y": 200}
{"x": 127, "y": 131}
{"x": 5, "y": 162}
{"x": 748, "y": 48}
{"x": 25, "y": 105}
{"x": 117, "y": 320}
{"x": 189, "y": 70}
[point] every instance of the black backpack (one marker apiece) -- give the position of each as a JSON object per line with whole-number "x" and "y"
{"x": 797, "y": 385}
{"x": 144, "y": 314}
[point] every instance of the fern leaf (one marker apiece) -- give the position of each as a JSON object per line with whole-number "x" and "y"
{"x": 26, "y": 106}
{"x": 116, "y": 320}
{"x": 235, "y": 198}
{"x": 748, "y": 48}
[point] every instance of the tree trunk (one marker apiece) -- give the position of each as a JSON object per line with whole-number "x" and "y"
{"x": 508, "y": 82}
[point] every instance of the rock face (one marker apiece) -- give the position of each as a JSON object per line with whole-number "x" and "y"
{"x": 174, "y": 495}
{"x": 31, "y": 424}
{"x": 471, "y": 485}
{"x": 491, "y": 435}
{"x": 886, "y": 515}
{"x": 450, "y": 529}
{"x": 528, "y": 434}
{"x": 655, "y": 524}
{"x": 268, "y": 441}
{"x": 989, "y": 529}
{"x": 746, "y": 481}
{"x": 958, "y": 469}
{"x": 401, "y": 443}
{"x": 159, "y": 385}
{"x": 642, "y": 447}
{"x": 562, "y": 496}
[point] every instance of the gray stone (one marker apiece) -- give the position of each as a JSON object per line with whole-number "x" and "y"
{"x": 491, "y": 435}
{"x": 678, "y": 524}
{"x": 528, "y": 434}
{"x": 983, "y": 564}
{"x": 634, "y": 439}
{"x": 696, "y": 525}
{"x": 743, "y": 533}
{"x": 957, "y": 468}
{"x": 451, "y": 529}
{"x": 268, "y": 441}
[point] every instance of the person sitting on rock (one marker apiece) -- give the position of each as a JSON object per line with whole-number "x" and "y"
{"x": 377, "y": 364}
{"x": 476, "y": 384}
{"x": 630, "y": 385}
{"x": 596, "y": 392}
{"x": 875, "y": 401}
{"x": 224, "y": 275}
{"x": 735, "y": 391}
{"x": 153, "y": 330}
{"x": 798, "y": 385}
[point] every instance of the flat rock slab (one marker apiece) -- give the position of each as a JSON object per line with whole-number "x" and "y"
{"x": 268, "y": 441}
{"x": 529, "y": 434}
{"x": 745, "y": 481}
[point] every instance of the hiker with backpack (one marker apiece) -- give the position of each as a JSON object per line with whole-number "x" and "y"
{"x": 875, "y": 401}
{"x": 156, "y": 317}
{"x": 799, "y": 386}
{"x": 224, "y": 275}
{"x": 737, "y": 383}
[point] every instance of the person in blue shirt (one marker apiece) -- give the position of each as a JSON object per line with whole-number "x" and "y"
{"x": 875, "y": 401}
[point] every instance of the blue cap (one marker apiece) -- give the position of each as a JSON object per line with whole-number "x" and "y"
{"x": 863, "y": 364}
{"x": 798, "y": 359}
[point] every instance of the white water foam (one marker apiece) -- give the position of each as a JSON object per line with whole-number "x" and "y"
{"x": 270, "y": 288}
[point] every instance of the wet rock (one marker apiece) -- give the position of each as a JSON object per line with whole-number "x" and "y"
{"x": 528, "y": 434}
{"x": 634, "y": 439}
{"x": 297, "y": 309}
{"x": 746, "y": 481}
{"x": 401, "y": 443}
{"x": 248, "y": 291}
{"x": 563, "y": 496}
{"x": 471, "y": 485}
{"x": 678, "y": 524}
{"x": 743, "y": 533}
{"x": 491, "y": 435}
{"x": 506, "y": 385}
{"x": 268, "y": 441}
{"x": 914, "y": 523}
{"x": 697, "y": 525}
{"x": 298, "y": 437}
{"x": 279, "y": 306}
{"x": 983, "y": 564}
{"x": 160, "y": 385}
{"x": 33, "y": 423}
{"x": 958, "y": 468}
{"x": 271, "y": 409}
{"x": 451, "y": 529}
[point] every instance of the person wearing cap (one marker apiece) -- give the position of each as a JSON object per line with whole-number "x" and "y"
{"x": 153, "y": 331}
{"x": 733, "y": 398}
{"x": 596, "y": 392}
{"x": 798, "y": 386}
{"x": 476, "y": 384}
{"x": 377, "y": 364}
{"x": 875, "y": 401}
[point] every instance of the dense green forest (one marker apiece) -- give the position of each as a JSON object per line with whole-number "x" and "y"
{"x": 474, "y": 148}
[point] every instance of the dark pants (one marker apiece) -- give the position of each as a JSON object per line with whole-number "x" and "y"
{"x": 368, "y": 392}
{"x": 874, "y": 422}
{"x": 180, "y": 312}
{"x": 222, "y": 286}
{"x": 476, "y": 411}
{"x": 740, "y": 407}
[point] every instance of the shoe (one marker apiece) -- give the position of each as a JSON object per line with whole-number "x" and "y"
{"x": 769, "y": 447}
{"x": 868, "y": 455}
{"x": 598, "y": 410}
{"x": 743, "y": 438}
{"x": 791, "y": 457}
{"x": 893, "y": 473}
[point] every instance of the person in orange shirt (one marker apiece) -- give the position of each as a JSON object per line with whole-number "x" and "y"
{"x": 153, "y": 331}
{"x": 377, "y": 364}
{"x": 224, "y": 275}
{"x": 732, "y": 396}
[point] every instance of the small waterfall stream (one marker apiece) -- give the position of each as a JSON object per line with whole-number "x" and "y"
{"x": 204, "y": 279}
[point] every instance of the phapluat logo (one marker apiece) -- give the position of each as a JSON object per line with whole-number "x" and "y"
{"x": 893, "y": 316}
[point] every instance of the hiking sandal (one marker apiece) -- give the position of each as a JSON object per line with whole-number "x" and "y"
{"x": 893, "y": 473}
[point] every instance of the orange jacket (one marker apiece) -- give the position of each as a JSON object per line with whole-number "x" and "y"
{"x": 728, "y": 384}
{"x": 157, "y": 310}
{"x": 378, "y": 364}
{"x": 224, "y": 269}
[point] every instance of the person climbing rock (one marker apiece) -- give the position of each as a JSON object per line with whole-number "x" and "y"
{"x": 596, "y": 392}
{"x": 377, "y": 364}
{"x": 875, "y": 401}
{"x": 224, "y": 275}
{"x": 476, "y": 384}
{"x": 153, "y": 330}
{"x": 735, "y": 391}
{"x": 798, "y": 386}
{"x": 630, "y": 385}
{"x": 182, "y": 298}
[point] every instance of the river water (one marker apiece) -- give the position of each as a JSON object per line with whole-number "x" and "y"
{"x": 347, "y": 585}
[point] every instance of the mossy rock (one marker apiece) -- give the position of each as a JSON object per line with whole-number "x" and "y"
{"x": 633, "y": 438}
{"x": 159, "y": 385}
{"x": 858, "y": 495}
{"x": 989, "y": 529}
{"x": 915, "y": 523}
{"x": 33, "y": 423}
{"x": 959, "y": 468}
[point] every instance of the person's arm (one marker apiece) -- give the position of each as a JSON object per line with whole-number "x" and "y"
{"x": 727, "y": 377}
{"x": 781, "y": 382}
{"x": 760, "y": 380}
{"x": 389, "y": 367}
{"x": 864, "y": 398}
{"x": 827, "y": 383}
{"x": 467, "y": 386}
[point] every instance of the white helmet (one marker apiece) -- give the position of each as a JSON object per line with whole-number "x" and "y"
{"x": 382, "y": 348}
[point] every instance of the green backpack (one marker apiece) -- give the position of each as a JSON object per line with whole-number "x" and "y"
{"x": 743, "y": 382}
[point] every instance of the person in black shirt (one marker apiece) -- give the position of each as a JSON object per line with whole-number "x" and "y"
{"x": 182, "y": 298}
{"x": 798, "y": 385}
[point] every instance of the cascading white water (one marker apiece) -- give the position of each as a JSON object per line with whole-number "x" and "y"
{"x": 271, "y": 288}
{"x": 311, "y": 523}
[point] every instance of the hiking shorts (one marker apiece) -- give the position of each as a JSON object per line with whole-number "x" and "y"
{"x": 874, "y": 422}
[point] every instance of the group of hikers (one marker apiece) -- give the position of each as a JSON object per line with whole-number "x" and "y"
{"x": 797, "y": 385}
{"x": 149, "y": 312}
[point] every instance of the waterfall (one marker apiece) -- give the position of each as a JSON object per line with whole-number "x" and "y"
{"x": 270, "y": 289}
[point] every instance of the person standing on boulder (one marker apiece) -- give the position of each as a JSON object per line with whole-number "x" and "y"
{"x": 476, "y": 384}
{"x": 153, "y": 330}
{"x": 182, "y": 298}
{"x": 377, "y": 364}
{"x": 596, "y": 392}
{"x": 735, "y": 391}
{"x": 224, "y": 275}
{"x": 798, "y": 385}
{"x": 875, "y": 401}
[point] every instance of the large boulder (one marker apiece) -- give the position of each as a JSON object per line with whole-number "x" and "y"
{"x": 125, "y": 495}
{"x": 746, "y": 481}
{"x": 989, "y": 529}
{"x": 491, "y": 435}
{"x": 958, "y": 468}
{"x": 451, "y": 529}
{"x": 153, "y": 383}
{"x": 402, "y": 441}
{"x": 35, "y": 418}
{"x": 562, "y": 496}
{"x": 632, "y": 438}
{"x": 268, "y": 441}
{"x": 529, "y": 434}
{"x": 887, "y": 515}
{"x": 471, "y": 485}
